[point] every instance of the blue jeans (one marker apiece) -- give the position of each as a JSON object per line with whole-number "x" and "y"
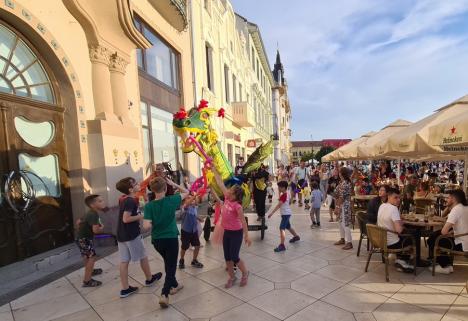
{"x": 285, "y": 224}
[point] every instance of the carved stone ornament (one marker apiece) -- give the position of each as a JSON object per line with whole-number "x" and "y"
{"x": 99, "y": 54}
{"x": 117, "y": 63}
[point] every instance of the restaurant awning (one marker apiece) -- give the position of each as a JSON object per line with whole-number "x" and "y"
{"x": 451, "y": 134}
{"x": 348, "y": 151}
{"x": 413, "y": 141}
{"x": 373, "y": 148}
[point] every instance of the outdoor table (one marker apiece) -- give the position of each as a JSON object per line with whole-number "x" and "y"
{"x": 416, "y": 231}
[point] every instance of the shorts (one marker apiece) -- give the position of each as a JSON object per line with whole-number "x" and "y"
{"x": 187, "y": 239}
{"x": 232, "y": 242}
{"x": 285, "y": 224}
{"x": 293, "y": 187}
{"x": 86, "y": 247}
{"x": 133, "y": 250}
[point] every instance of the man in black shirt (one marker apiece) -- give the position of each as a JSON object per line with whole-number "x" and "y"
{"x": 260, "y": 181}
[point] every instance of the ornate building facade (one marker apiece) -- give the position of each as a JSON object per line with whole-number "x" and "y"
{"x": 231, "y": 71}
{"x": 87, "y": 91}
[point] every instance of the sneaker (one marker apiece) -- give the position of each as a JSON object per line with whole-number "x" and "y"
{"x": 154, "y": 278}
{"x": 280, "y": 248}
{"x": 348, "y": 246}
{"x": 197, "y": 264}
{"x": 96, "y": 272}
{"x": 181, "y": 264}
{"x": 441, "y": 270}
{"x": 230, "y": 283}
{"x": 403, "y": 266}
{"x": 164, "y": 301}
{"x": 340, "y": 242}
{"x": 92, "y": 283}
{"x": 177, "y": 289}
{"x": 294, "y": 239}
{"x": 129, "y": 291}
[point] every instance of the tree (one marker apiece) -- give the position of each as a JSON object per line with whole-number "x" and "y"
{"x": 323, "y": 151}
{"x": 307, "y": 156}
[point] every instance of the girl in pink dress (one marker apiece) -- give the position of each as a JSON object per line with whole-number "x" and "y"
{"x": 235, "y": 229}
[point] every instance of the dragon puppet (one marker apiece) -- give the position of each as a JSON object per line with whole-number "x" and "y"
{"x": 197, "y": 135}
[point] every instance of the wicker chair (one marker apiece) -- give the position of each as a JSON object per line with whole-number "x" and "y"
{"x": 362, "y": 220}
{"x": 378, "y": 239}
{"x": 443, "y": 251}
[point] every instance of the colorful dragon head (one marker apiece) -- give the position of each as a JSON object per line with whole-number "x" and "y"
{"x": 196, "y": 123}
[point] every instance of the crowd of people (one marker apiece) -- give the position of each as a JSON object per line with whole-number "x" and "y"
{"x": 311, "y": 187}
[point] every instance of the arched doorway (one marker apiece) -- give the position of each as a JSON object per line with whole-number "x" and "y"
{"x": 31, "y": 144}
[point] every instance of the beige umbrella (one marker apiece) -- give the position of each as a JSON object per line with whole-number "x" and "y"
{"x": 452, "y": 136}
{"x": 348, "y": 151}
{"x": 413, "y": 141}
{"x": 373, "y": 147}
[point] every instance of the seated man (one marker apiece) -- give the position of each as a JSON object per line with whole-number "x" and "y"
{"x": 389, "y": 218}
{"x": 457, "y": 220}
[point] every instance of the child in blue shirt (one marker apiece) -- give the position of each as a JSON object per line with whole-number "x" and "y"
{"x": 316, "y": 202}
{"x": 189, "y": 232}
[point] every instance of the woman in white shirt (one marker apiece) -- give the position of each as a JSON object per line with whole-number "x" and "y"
{"x": 457, "y": 220}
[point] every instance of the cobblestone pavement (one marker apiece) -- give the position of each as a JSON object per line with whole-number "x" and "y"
{"x": 312, "y": 280}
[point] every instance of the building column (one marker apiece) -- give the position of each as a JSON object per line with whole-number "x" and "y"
{"x": 102, "y": 94}
{"x": 117, "y": 68}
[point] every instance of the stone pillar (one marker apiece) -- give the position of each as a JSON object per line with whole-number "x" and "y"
{"x": 102, "y": 94}
{"x": 119, "y": 90}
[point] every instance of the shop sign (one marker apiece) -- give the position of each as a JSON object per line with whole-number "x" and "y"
{"x": 237, "y": 138}
{"x": 229, "y": 135}
{"x": 251, "y": 143}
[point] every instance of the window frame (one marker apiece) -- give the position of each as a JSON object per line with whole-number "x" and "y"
{"x": 176, "y": 78}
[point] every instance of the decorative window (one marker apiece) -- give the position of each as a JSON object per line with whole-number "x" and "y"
{"x": 35, "y": 134}
{"x": 21, "y": 72}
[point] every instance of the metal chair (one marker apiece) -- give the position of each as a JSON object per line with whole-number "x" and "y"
{"x": 378, "y": 239}
{"x": 443, "y": 251}
{"x": 362, "y": 220}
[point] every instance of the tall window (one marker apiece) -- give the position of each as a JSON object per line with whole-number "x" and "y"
{"x": 159, "y": 141}
{"x": 160, "y": 61}
{"x": 252, "y": 58}
{"x": 209, "y": 67}
{"x": 234, "y": 88}
{"x": 226, "y": 84}
{"x": 240, "y": 92}
{"x": 230, "y": 156}
{"x": 258, "y": 71}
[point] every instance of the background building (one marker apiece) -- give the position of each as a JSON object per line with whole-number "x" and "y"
{"x": 231, "y": 71}
{"x": 301, "y": 148}
{"x": 281, "y": 114}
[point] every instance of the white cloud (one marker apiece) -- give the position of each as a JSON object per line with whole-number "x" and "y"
{"x": 355, "y": 66}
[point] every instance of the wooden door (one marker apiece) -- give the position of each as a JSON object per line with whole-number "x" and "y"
{"x": 32, "y": 143}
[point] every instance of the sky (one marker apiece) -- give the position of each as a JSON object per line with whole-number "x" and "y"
{"x": 354, "y": 66}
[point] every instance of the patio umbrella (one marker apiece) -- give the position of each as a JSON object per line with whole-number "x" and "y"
{"x": 452, "y": 136}
{"x": 373, "y": 147}
{"x": 348, "y": 151}
{"x": 412, "y": 142}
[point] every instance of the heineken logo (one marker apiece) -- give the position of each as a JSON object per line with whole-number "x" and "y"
{"x": 452, "y": 139}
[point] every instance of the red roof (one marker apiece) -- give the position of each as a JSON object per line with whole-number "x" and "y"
{"x": 319, "y": 143}
{"x": 336, "y": 143}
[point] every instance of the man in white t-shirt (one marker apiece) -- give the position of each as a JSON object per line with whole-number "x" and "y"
{"x": 457, "y": 220}
{"x": 302, "y": 176}
{"x": 389, "y": 217}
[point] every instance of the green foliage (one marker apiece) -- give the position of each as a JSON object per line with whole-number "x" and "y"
{"x": 323, "y": 151}
{"x": 307, "y": 157}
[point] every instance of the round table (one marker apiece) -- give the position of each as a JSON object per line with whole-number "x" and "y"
{"x": 420, "y": 226}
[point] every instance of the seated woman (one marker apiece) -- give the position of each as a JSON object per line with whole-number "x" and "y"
{"x": 457, "y": 221}
{"x": 424, "y": 192}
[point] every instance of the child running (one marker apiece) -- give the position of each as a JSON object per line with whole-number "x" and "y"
{"x": 285, "y": 210}
{"x": 160, "y": 218}
{"x": 189, "y": 231}
{"x": 235, "y": 228}
{"x": 316, "y": 200}
{"x": 129, "y": 239}
{"x": 87, "y": 228}
{"x": 270, "y": 192}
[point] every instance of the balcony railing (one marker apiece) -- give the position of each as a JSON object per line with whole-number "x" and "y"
{"x": 174, "y": 11}
{"x": 242, "y": 114}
